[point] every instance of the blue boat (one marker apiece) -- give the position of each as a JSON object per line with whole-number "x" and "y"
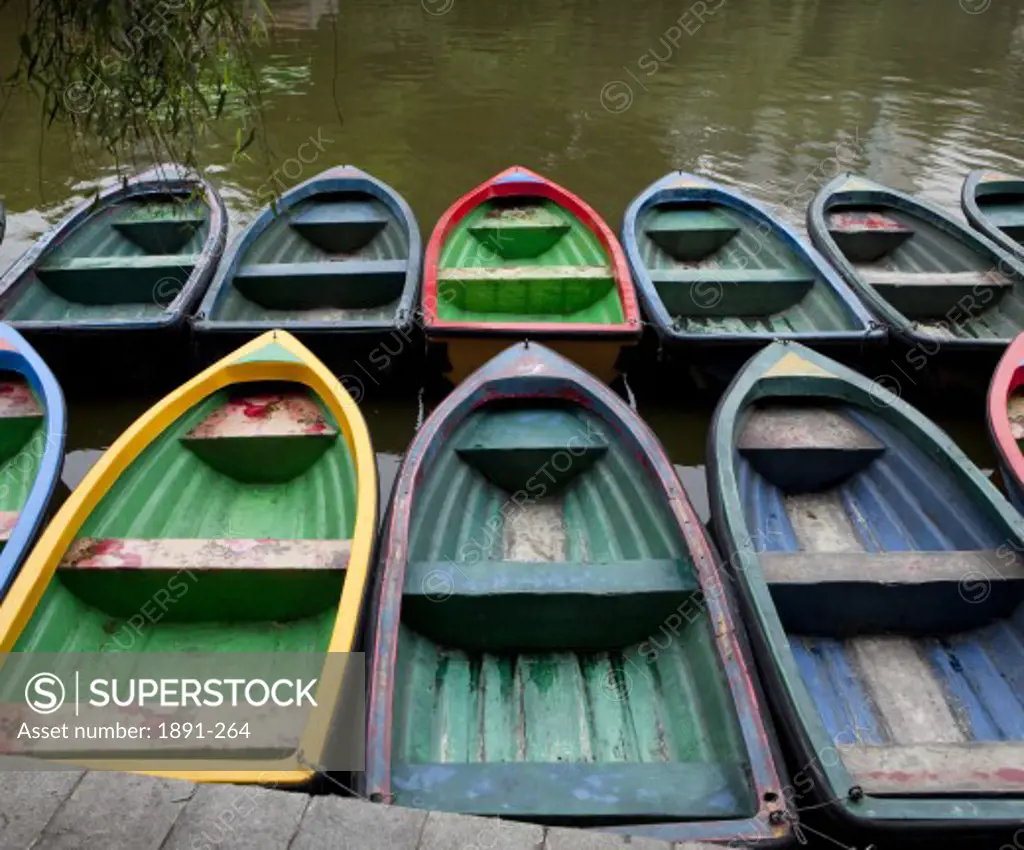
{"x": 335, "y": 261}
{"x": 716, "y": 270}
{"x": 109, "y": 287}
{"x": 883, "y": 587}
{"x": 32, "y": 431}
{"x": 935, "y": 282}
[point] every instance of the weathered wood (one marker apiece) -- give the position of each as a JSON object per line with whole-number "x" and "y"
{"x": 930, "y": 295}
{"x": 535, "y": 531}
{"x": 195, "y": 554}
{"x": 910, "y": 567}
{"x": 953, "y": 768}
{"x": 803, "y": 428}
{"x": 17, "y": 401}
{"x": 911, "y": 702}
{"x": 140, "y": 279}
{"x": 160, "y": 234}
{"x": 806, "y": 448}
{"x": 496, "y": 273}
{"x": 520, "y": 232}
{"x": 865, "y": 236}
{"x": 1015, "y": 413}
{"x": 8, "y": 519}
{"x": 264, "y": 415}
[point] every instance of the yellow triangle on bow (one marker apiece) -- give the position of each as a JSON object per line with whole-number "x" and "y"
{"x": 793, "y": 365}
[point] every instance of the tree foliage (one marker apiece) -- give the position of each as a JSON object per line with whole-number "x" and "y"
{"x": 144, "y": 80}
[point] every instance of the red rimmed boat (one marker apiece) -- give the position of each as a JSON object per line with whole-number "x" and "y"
{"x": 520, "y": 257}
{"x": 1006, "y": 419}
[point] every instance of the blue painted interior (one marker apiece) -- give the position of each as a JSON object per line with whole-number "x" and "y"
{"x": 904, "y": 500}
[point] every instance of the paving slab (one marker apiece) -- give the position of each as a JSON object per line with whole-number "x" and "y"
{"x": 445, "y": 831}
{"x": 342, "y": 823}
{"x": 234, "y": 817}
{"x": 116, "y": 810}
{"x": 28, "y": 800}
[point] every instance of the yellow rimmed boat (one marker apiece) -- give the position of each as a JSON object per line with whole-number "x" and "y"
{"x": 257, "y": 478}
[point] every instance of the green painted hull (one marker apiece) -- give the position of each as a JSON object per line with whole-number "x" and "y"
{"x": 171, "y": 492}
{"x": 474, "y": 245}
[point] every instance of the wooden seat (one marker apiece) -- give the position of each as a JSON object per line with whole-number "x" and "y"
{"x": 339, "y": 227}
{"x": 8, "y": 519}
{"x": 806, "y": 448}
{"x": 17, "y": 401}
{"x": 20, "y": 417}
{"x": 511, "y": 447}
{"x": 1015, "y": 413}
{"x": 160, "y": 231}
{"x": 87, "y": 553}
{"x": 351, "y": 284}
{"x": 691, "y": 234}
{"x": 519, "y": 232}
{"x": 712, "y": 291}
{"x": 495, "y": 606}
{"x": 937, "y": 294}
{"x": 974, "y": 767}
{"x": 525, "y": 289}
{"x": 903, "y": 592}
{"x": 865, "y": 236}
{"x": 154, "y": 278}
{"x": 263, "y": 437}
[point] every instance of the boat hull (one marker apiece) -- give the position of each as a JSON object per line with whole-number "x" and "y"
{"x": 717, "y": 271}
{"x": 335, "y": 261}
{"x": 113, "y": 292}
{"x": 994, "y": 205}
{"x": 868, "y": 660}
{"x": 485, "y": 663}
{"x": 935, "y": 283}
{"x": 209, "y": 489}
{"x": 521, "y": 258}
{"x": 1004, "y": 414}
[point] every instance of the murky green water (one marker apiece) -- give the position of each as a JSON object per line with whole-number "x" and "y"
{"x": 772, "y": 96}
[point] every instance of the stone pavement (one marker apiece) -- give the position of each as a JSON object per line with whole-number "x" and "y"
{"x": 47, "y": 810}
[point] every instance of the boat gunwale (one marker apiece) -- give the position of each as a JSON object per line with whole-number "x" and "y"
{"x": 340, "y": 178}
{"x": 978, "y": 218}
{"x": 683, "y": 186}
{"x": 869, "y": 192}
{"x": 515, "y": 374}
{"x": 792, "y": 703}
{"x": 158, "y": 180}
{"x": 238, "y": 367}
{"x": 513, "y": 182}
{"x": 16, "y": 355}
{"x": 1008, "y": 376}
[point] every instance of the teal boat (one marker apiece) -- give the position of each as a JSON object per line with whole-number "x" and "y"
{"x": 994, "y": 205}
{"x": 935, "y": 282}
{"x": 109, "y": 288}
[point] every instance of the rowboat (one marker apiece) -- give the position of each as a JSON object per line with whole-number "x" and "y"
{"x": 880, "y": 575}
{"x": 994, "y": 204}
{"x": 32, "y": 430}
{"x": 335, "y": 261}
{"x": 519, "y": 257}
{"x": 553, "y": 638}
{"x": 238, "y": 516}
{"x": 717, "y": 271}
{"x": 1006, "y": 419}
{"x": 932, "y": 280}
{"x": 114, "y": 281}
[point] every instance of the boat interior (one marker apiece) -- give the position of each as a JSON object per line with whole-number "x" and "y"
{"x": 899, "y": 595}
{"x": 717, "y": 270}
{"x": 1002, "y": 202}
{"x": 234, "y": 525}
{"x": 525, "y": 259}
{"x": 22, "y": 444}
{"x": 554, "y": 659}
{"x": 939, "y": 282}
{"x": 127, "y": 260}
{"x": 334, "y": 256}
